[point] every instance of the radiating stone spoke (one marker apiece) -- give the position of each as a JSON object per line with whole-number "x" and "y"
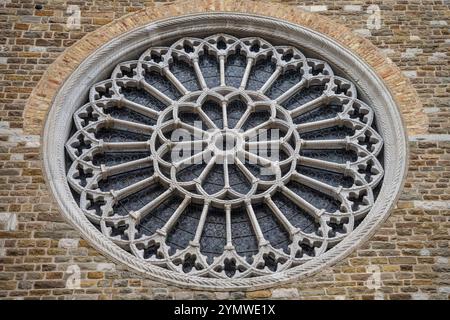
{"x": 248, "y": 68}
{"x": 263, "y": 143}
{"x": 322, "y": 164}
{"x": 271, "y": 79}
{"x": 310, "y": 105}
{"x": 152, "y": 205}
{"x": 156, "y": 93}
{"x": 125, "y": 167}
{"x": 125, "y": 146}
{"x": 315, "y": 184}
{"x": 175, "y": 216}
{"x": 175, "y": 81}
{"x": 280, "y": 216}
{"x": 250, "y": 177}
{"x": 222, "y": 70}
{"x": 325, "y": 144}
{"x": 136, "y": 187}
{"x": 224, "y": 115}
{"x": 253, "y": 132}
{"x": 194, "y": 143}
{"x": 145, "y": 111}
{"x": 201, "y": 224}
{"x": 199, "y": 74}
{"x": 243, "y": 119}
{"x": 318, "y": 125}
{"x": 131, "y": 126}
{"x": 289, "y": 93}
{"x": 201, "y": 178}
{"x": 194, "y": 159}
{"x": 256, "y": 159}
{"x": 229, "y": 244}
{"x": 302, "y": 203}
{"x": 255, "y": 224}
{"x": 206, "y": 119}
{"x": 197, "y": 132}
{"x": 226, "y": 175}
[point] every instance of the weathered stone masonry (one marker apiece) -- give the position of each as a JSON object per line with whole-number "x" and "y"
{"x": 411, "y": 248}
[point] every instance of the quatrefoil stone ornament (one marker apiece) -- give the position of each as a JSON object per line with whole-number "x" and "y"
{"x": 226, "y": 162}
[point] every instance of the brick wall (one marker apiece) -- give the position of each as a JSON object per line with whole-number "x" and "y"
{"x": 38, "y": 250}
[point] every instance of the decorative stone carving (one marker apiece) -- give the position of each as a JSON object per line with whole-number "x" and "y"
{"x": 227, "y": 215}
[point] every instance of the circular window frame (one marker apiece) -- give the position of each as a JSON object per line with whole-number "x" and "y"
{"x": 97, "y": 66}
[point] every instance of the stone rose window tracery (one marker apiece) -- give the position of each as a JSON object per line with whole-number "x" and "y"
{"x": 284, "y": 159}
{"x": 224, "y": 151}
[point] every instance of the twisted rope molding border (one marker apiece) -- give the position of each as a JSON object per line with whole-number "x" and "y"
{"x": 95, "y": 67}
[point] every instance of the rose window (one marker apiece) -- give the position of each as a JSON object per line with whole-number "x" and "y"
{"x": 225, "y": 157}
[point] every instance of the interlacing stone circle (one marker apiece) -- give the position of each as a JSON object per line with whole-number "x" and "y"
{"x": 225, "y": 157}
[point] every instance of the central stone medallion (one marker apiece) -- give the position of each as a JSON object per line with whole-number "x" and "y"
{"x": 226, "y": 146}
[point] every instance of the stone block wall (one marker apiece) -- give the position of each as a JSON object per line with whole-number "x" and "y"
{"x": 42, "y": 257}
